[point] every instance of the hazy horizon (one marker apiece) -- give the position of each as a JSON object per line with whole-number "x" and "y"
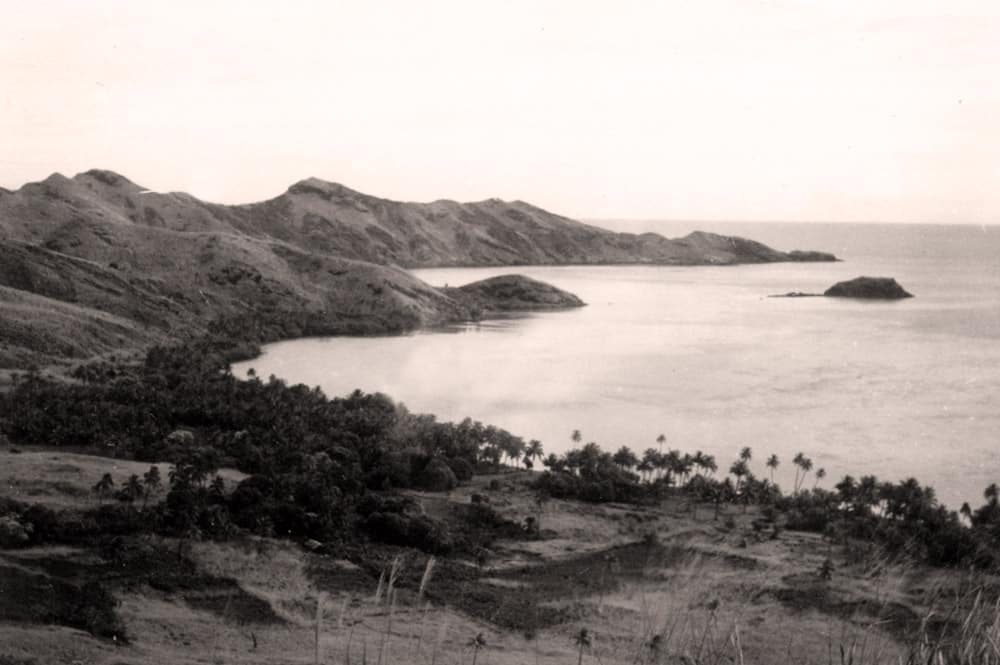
{"x": 722, "y": 111}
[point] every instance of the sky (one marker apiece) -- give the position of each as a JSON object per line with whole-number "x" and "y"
{"x": 875, "y": 110}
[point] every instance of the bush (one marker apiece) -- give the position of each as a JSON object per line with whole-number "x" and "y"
{"x": 13, "y": 533}
{"x": 436, "y": 476}
{"x": 420, "y": 532}
{"x": 463, "y": 470}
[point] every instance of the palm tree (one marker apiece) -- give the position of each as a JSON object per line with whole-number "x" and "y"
{"x": 576, "y": 437}
{"x": 992, "y": 494}
{"x": 698, "y": 461}
{"x": 478, "y": 642}
{"x": 820, "y": 475}
{"x": 847, "y": 490}
{"x": 132, "y": 490}
{"x": 685, "y": 466}
{"x": 625, "y": 458}
{"x": 708, "y": 463}
{"x": 534, "y": 450}
{"x": 651, "y": 458}
{"x": 772, "y": 463}
{"x": 807, "y": 466}
{"x": 661, "y": 440}
{"x": 644, "y": 467}
{"x": 797, "y": 461}
{"x": 739, "y": 469}
{"x": 746, "y": 453}
{"x": 104, "y": 486}
{"x": 582, "y": 641}
{"x": 804, "y": 464}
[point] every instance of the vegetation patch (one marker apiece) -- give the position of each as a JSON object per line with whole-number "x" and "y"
{"x": 37, "y": 598}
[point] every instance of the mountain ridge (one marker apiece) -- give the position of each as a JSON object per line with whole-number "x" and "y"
{"x": 170, "y": 263}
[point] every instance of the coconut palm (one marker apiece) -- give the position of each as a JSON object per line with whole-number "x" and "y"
{"x": 772, "y": 463}
{"x": 804, "y": 465}
{"x": 478, "y": 642}
{"x": 992, "y": 494}
{"x": 820, "y": 475}
{"x": 534, "y": 450}
{"x": 576, "y": 437}
{"x": 132, "y": 489}
{"x": 807, "y": 466}
{"x": 582, "y": 641}
{"x": 687, "y": 462}
{"x": 698, "y": 462}
{"x": 661, "y": 440}
{"x": 746, "y": 454}
{"x": 651, "y": 458}
{"x": 739, "y": 469}
{"x": 104, "y": 486}
{"x": 674, "y": 464}
{"x": 708, "y": 465}
{"x": 644, "y": 468}
{"x": 625, "y": 458}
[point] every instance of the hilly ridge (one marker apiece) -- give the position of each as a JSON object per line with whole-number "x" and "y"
{"x": 102, "y": 262}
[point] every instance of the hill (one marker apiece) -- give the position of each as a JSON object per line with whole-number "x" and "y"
{"x": 97, "y": 262}
{"x": 512, "y": 293}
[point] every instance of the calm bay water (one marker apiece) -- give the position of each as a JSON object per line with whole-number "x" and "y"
{"x": 909, "y": 388}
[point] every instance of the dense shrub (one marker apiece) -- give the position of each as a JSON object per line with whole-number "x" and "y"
{"x": 462, "y": 468}
{"x": 436, "y": 476}
{"x": 416, "y": 531}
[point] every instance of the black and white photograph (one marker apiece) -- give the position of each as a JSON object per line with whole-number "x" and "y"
{"x": 500, "y": 333}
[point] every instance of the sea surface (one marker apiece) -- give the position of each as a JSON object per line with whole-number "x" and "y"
{"x": 705, "y": 357}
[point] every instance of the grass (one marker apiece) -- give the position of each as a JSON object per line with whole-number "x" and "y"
{"x": 697, "y": 592}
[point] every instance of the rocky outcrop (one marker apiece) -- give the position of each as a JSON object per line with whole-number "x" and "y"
{"x": 877, "y": 288}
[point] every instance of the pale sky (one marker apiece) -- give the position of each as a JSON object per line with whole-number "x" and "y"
{"x": 873, "y": 110}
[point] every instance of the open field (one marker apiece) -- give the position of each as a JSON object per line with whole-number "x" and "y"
{"x": 649, "y": 585}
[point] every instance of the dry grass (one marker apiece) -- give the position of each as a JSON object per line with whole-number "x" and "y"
{"x": 61, "y": 479}
{"x": 731, "y": 598}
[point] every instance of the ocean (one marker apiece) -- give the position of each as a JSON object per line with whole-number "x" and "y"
{"x": 703, "y": 356}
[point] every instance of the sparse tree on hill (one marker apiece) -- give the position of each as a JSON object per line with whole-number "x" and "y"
{"x": 104, "y": 486}
{"x": 583, "y": 641}
{"x": 131, "y": 491}
{"x": 478, "y": 642}
{"x": 151, "y": 483}
{"x": 218, "y": 487}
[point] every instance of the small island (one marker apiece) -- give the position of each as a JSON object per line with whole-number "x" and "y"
{"x": 510, "y": 293}
{"x": 869, "y": 288}
{"x": 874, "y": 288}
